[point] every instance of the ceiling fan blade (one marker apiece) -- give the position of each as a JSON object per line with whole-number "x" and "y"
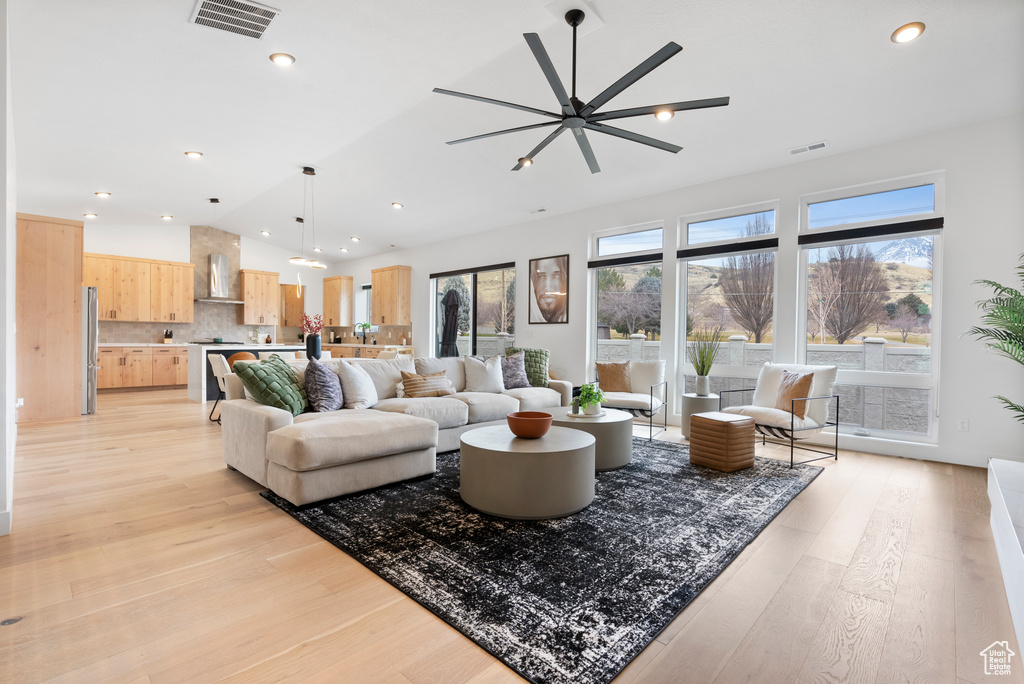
{"x": 498, "y": 102}
{"x": 635, "y": 137}
{"x": 543, "y": 143}
{"x": 588, "y": 152}
{"x": 507, "y": 130}
{"x": 644, "y": 68}
{"x": 533, "y": 40}
{"x": 654, "y": 109}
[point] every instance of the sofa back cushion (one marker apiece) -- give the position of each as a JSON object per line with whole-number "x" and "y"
{"x": 766, "y": 392}
{"x": 453, "y": 366}
{"x": 273, "y": 383}
{"x": 513, "y": 371}
{"x": 614, "y": 377}
{"x": 418, "y": 386}
{"x": 386, "y": 374}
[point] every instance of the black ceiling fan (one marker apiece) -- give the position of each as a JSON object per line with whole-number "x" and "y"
{"x": 579, "y": 117}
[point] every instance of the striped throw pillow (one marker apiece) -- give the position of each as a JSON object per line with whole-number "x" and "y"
{"x": 434, "y": 385}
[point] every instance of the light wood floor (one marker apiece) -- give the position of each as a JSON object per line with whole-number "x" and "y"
{"x": 137, "y": 556}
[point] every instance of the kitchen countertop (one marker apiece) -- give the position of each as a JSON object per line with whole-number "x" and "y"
{"x": 142, "y": 344}
{"x": 378, "y": 346}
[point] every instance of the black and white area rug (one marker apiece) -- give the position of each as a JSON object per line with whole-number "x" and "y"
{"x": 567, "y": 600}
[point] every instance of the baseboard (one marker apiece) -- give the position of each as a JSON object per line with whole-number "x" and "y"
{"x": 5, "y": 523}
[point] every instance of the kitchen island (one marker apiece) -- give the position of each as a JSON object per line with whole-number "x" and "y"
{"x": 202, "y": 384}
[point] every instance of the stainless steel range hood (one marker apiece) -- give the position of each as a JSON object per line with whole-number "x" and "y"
{"x": 219, "y": 282}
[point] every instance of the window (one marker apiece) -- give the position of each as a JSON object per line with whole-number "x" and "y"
{"x": 729, "y": 288}
{"x": 871, "y": 304}
{"x": 483, "y": 317}
{"x": 628, "y": 243}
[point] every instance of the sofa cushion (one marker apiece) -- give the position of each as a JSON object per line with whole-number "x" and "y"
{"x": 535, "y": 398}
{"x": 436, "y": 385}
{"x": 536, "y": 361}
{"x": 347, "y": 437}
{"x": 483, "y": 376}
{"x": 453, "y": 366}
{"x": 323, "y": 387}
{"x": 444, "y": 411}
{"x": 484, "y": 406}
{"x": 272, "y": 383}
{"x": 385, "y": 373}
{"x": 357, "y": 386}
{"x": 513, "y": 371}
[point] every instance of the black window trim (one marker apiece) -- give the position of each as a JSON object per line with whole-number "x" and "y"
{"x": 884, "y": 230}
{"x": 734, "y": 248}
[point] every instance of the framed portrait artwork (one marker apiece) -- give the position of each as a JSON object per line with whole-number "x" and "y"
{"x": 549, "y": 289}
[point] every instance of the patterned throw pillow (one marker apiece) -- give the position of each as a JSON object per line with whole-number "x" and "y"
{"x": 434, "y": 385}
{"x": 273, "y": 383}
{"x": 794, "y": 386}
{"x": 536, "y": 361}
{"x": 513, "y": 371}
{"x": 614, "y": 377}
{"x": 323, "y": 387}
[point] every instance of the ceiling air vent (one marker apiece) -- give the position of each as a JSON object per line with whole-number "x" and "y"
{"x": 808, "y": 148}
{"x": 244, "y": 18}
{"x": 538, "y": 211}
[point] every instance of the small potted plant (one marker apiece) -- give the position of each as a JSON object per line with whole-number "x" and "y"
{"x": 311, "y": 327}
{"x": 590, "y": 399}
{"x": 701, "y": 353}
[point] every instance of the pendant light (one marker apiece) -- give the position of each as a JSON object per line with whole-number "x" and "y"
{"x": 313, "y": 263}
{"x": 307, "y": 189}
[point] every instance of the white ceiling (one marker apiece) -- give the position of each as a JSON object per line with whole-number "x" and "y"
{"x": 108, "y": 94}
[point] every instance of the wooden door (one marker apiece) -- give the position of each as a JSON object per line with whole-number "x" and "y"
{"x": 137, "y": 370}
{"x": 109, "y": 360}
{"x": 292, "y": 306}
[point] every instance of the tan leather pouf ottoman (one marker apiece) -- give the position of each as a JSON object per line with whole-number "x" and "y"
{"x": 723, "y": 441}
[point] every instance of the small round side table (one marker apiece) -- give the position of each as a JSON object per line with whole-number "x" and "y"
{"x": 693, "y": 403}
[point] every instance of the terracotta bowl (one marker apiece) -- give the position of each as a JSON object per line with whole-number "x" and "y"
{"x": 529, "y": 424}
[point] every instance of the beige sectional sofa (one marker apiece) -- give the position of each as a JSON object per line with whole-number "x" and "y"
{"x": 316, "y": 456}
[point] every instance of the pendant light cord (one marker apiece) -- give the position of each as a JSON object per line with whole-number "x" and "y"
{"x": 574, "y": 62}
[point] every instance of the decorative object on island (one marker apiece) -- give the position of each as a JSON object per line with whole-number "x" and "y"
{"x": 311, "y": 327}
{"x": 549, "y": 289}
{"x": 701, "y": 352}
{"x": 590, "y": 399}
{"x": 529, "y": 424}
{"x": 578, "y": 117}
{"x": 1003, "y": 314}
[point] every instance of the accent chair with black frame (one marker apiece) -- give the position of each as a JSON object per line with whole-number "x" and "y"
{"x": 647, "y": 396}
{"x": 789, "y": 426}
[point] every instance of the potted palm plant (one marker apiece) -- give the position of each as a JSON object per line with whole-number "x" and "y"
{"x": 1003, "y": 320}
{"x": 701, "y": 353}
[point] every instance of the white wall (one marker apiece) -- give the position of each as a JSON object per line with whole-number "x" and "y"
{"x": 163, "y": 243}
{"x": 8, "y": 256}
{"x": 984, "y": 166}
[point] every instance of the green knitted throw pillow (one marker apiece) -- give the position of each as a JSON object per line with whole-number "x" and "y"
{"x": 536, "y": 362}
{"x": 272, "y": 382}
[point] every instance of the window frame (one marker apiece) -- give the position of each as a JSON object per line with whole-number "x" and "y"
{"x": 625, "y": 230}
{"x": 473, "y": 313}
{"x": 935, "y": 178}
{"x": 682, "y": 232}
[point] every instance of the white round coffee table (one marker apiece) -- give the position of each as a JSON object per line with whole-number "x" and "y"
{"x": 531, "y": 479}
{"x": 612, "y": 430}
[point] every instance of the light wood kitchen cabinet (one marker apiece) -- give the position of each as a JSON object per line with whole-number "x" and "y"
{"x": 137, "y": 369}
{"x": 109, "y": 360}
{"x": 391, "y": 295}
{"x": 338, "y": 300}
{"x": 170, "y": 366}
{"x": 130, "y": 289}
{"x": 171, "y": 289}
{"x": 141, "y": 366}
{"x": 293, "y": 305}
{"x": 261, "y": 294}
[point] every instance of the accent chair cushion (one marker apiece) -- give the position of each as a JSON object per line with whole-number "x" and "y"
{"x": 483, "y": 376}
{"x": 644, "y": 374}
{"x": 434, "y": 385}
{"x": 513, "y": 371}
{"x": 766, "y": 391}
{"x": 794, "y": 386}
{"x": 323, "y": 387}
{"x": 614, "y": 377}
{"x": 536, "y": 361}
{"x": 356, "y": 386}
{"x": 272, "y": 383}
{"x": 632, "y": 400}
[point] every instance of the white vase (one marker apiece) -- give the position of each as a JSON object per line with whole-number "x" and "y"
{"x": 703, "y": 386}
{"x": 592, "y": 410}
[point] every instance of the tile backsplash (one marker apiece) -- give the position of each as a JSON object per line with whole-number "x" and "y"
{"x": 211, "y": 320}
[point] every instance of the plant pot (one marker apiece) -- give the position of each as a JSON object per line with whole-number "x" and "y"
{"x": 703, "y": 386}
{"x": 592, "y": 410}
{"x": 313, "y": 346}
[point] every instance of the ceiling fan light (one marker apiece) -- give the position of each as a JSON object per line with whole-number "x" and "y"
{"x": 525, "y": 161}
{"x": 297, "y": 260}
{"x": 166, "y": 217}
{"x": 265, "y": 233}
{"x": 664, "y": 115}
{"x": 397, "y": 205}
{"x": 344, "y": 249}
{"x": 354, "y": 239}
{"x": 907, "y": 32}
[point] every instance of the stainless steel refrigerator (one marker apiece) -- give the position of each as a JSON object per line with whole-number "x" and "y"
{"x": 90, "y": 345}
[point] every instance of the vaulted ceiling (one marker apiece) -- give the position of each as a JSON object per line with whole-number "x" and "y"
{"x": 108, "y": 94}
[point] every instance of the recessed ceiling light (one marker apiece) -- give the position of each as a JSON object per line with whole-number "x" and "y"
{"x": 89, "y": 215}
{"x": 317, "y": 249}
{"x": 907, "y": 32}
{"x": 344, "y": 249}
{"x": 354, "y": 239}
{"x": 525, "y": 161}
{"x": 192, "y": 154}
{"x": 265, "y": 232}
{"x": 166, "y": 217}
{"x": 397, "y": 205}
{"x": 664, "y": 115}
{"x": 282, "y": 59}
{"x": 102, "y": 194}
